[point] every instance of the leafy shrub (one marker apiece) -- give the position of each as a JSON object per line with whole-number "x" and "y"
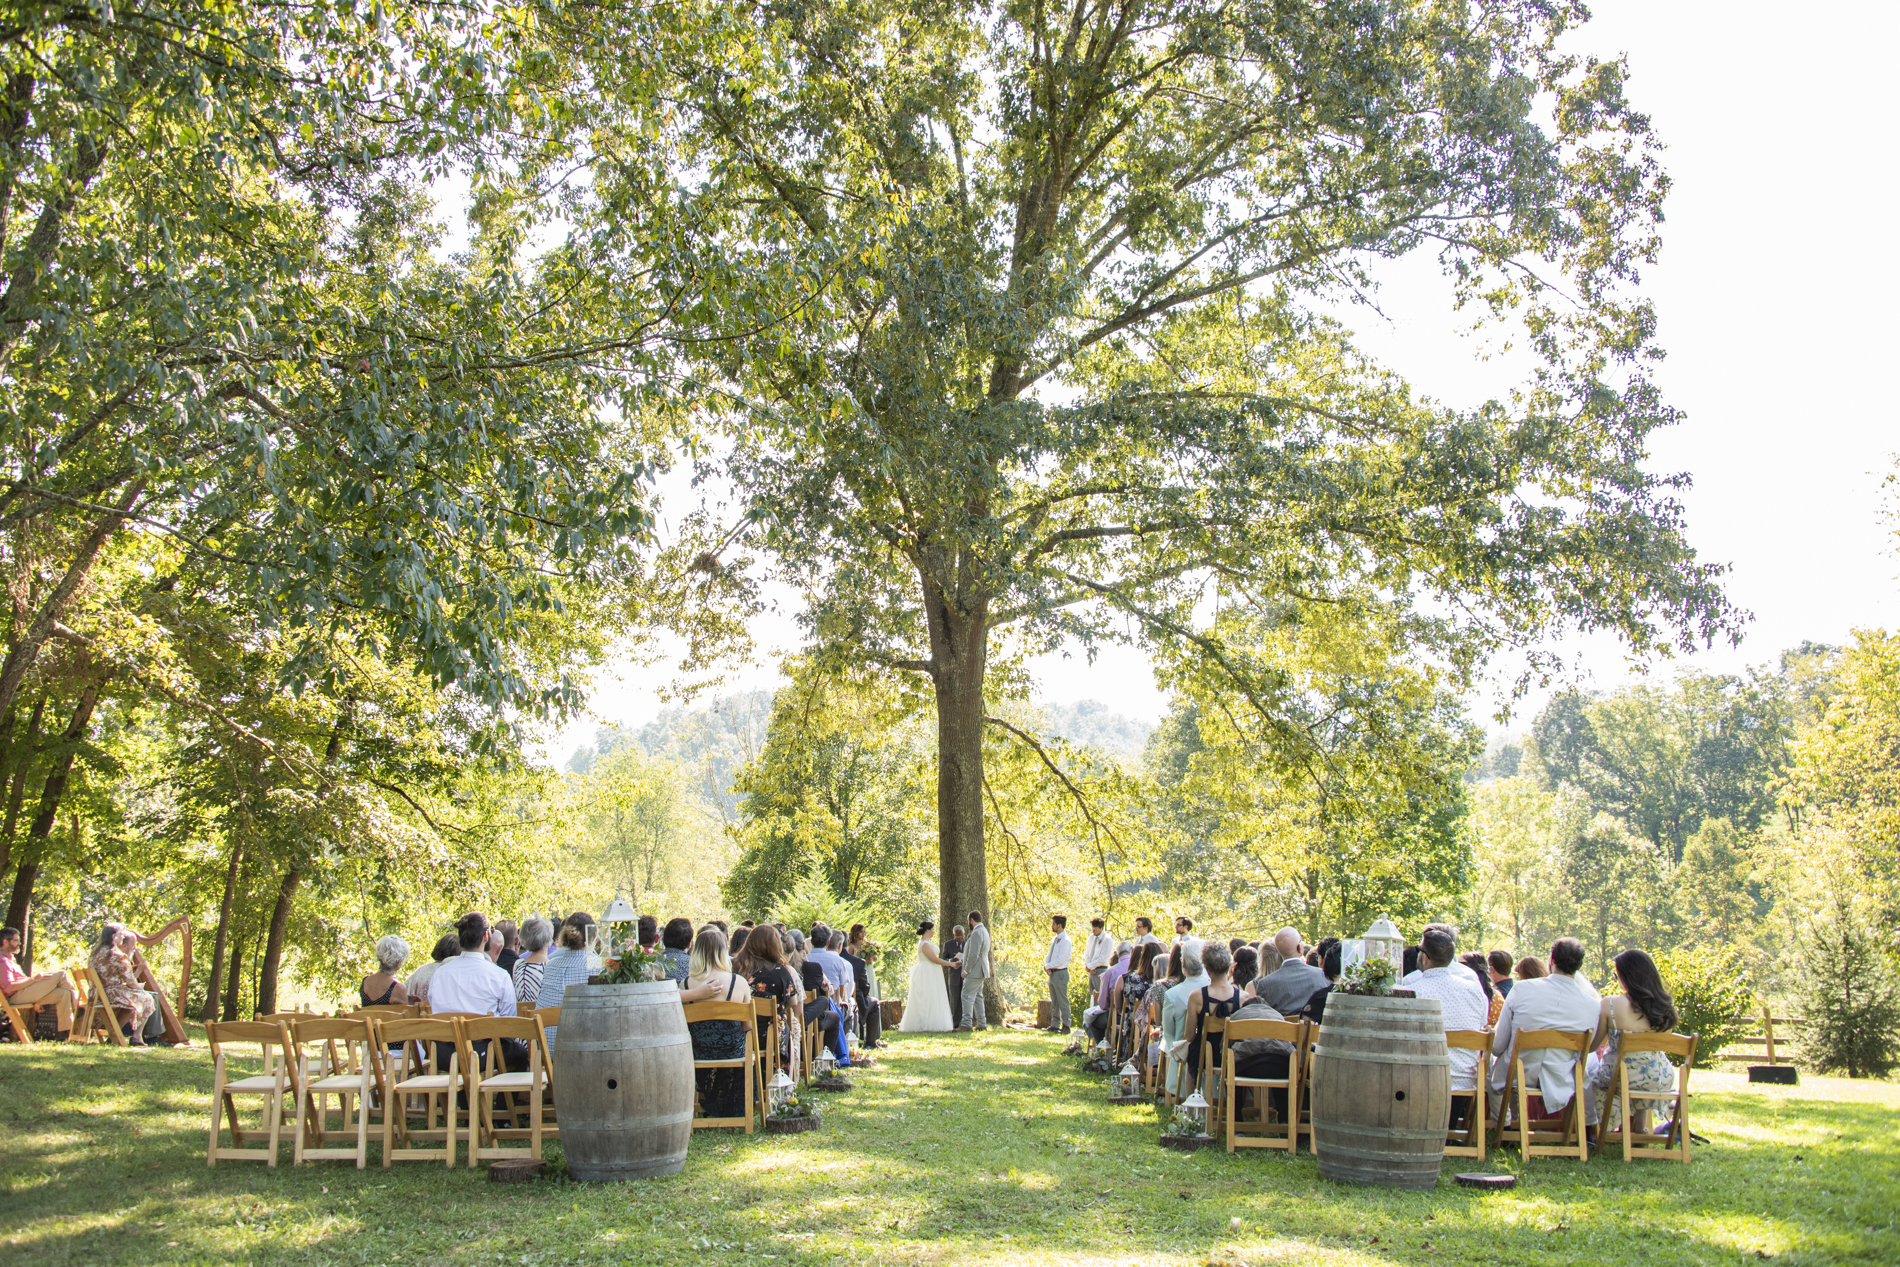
{"x": 1850, "y": 999}
{"x": 1714, "y": 997}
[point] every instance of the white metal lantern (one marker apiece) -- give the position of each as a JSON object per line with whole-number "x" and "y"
{"x": 1128, "y": 1081}
{"x": 1194, "y": 1111}
{"x": 781, "y": 1088}
{"x": 619, "y": 912}
{"x": 826, "y": 1064}
{"x": 1384, "y": 941}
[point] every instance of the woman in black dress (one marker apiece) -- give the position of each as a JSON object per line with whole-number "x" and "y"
{"x": 1220, "y": 997}
{"x": 771, "y": 979}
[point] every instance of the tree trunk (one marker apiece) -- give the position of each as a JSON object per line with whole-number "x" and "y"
{"x": 210, "y": 1010}
{"x": 959, "y": 644}
{"x": 19, "y": 765}
{"x": 35, "y": 849}
{"x": 234, "y": 979}
{"x": 280, "y": 915}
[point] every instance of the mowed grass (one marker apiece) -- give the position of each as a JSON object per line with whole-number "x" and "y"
{"x": 990, "y": 1150}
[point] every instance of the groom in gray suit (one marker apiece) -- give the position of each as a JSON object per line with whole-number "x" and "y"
{"x": 976, "y": 970}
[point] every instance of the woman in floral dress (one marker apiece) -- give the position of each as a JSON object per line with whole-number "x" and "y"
{"x": 125, "y": 993}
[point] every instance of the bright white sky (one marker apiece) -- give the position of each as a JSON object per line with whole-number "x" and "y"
{"x": 1776, "y": 299}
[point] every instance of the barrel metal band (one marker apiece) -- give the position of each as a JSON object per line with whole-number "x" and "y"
{"x": 1440, "y": 1061}
{"x": 1384, "y": 1132}
{"x": 618, "y": 1124}
{"x": 622, "y": 1044}
{"x": 1356, "y": 1031}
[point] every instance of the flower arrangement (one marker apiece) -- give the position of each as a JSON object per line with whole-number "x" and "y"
{"x": 795, "y": 1107}
{"x": 635, "y": 964}
{"x": 1374, "y": 975}
{"x": 1184, "y": 1126}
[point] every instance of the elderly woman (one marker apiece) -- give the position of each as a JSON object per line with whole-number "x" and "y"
{"x": 536, "y": 936}
{"x": 383, "y": 987}
{"x": 570, "y": 963}
{"x": 132, "y": 1006}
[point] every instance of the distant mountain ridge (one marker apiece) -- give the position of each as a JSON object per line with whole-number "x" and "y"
{"x": 1092, "y": 724}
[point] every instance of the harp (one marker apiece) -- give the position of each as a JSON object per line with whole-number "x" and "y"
{"x": 174, "y": 1026}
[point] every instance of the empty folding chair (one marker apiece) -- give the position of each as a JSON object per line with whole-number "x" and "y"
{"x": 342, "y": 1064}
{"x": 489, "y": 1077}
{"x": 270, "y": 1085}
{"x": 423, "y": 1065}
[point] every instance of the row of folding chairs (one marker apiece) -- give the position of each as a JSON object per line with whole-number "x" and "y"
{"x": 1472, "y": 1133}
{"x": 423, "y": 1081}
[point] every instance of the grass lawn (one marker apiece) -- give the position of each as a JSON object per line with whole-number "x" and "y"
{"x": 956, "y": 1150}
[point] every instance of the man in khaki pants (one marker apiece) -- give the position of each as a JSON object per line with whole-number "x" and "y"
{"x": 24, "y": 991}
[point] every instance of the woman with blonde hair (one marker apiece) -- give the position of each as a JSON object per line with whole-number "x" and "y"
{"x": 710, "y": 978}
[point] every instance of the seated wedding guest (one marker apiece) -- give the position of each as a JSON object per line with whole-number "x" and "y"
{"x": 1218, "y": 999}
{"x": 1315, "y": 1006}
{"x": 1133, "y": 986}
{"x": 825, "y": 945}
{"x": 1287, "y": 989}
{"x": 1480, "y": 968}
{"x": 131, "y": 1004}
{"x": 535, "y": 937}
{"x": 510, "y": 946}
{"x": 870, "y": 1026}
{"x": 722, "y": 926}
{"x": 1460, "y": 998}
{"x": 1154, "y": 1002}
{"x": 741, "y": 962}
{"x": 1561, "y": 1000}
{"x": 417, "y": 986}
{"x": 1174, "y": 1009}
{"x": 1498, "y": 968}
{"x": 1095, "y": 1016}
{"x": 22, "y": 990}
{"x": 1316, "y": 955}
{"x": 818, "y": 1009}
{"x": 648, "y": 931}
{"x": 383, "y": 987}
{"x": 1643, "y": 1007}
{"x": 771, "y": 979}
{"x": 1528, "y": 969}
{"x": 1409, "y": 963}
{"x": 1262, "y": 1057}
{"x": 1270, "y": 961}
{"x": 721, "y": 1091}
{"x": 569, "y": 963}
{"x": 1246, "y": 964}
{"x": 795, "y": 957}
{"x": 676, "y": 946}
{"x": 470, "y": 982}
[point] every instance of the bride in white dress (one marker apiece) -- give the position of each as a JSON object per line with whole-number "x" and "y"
{"x": 927, "y": 1010}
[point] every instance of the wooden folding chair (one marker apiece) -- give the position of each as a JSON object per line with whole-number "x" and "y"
{"x": 742, "y": 1012}
{"x": 347, "y": 1072}
{"x": 1473, "y": 1138}
{"x": 1114, "y": 1036}
{"x": 1675, "y": 1147}
{"x": 811, "y": 1038}
{"x": 496, "y": 1080}
{"x": 544, "y": 1017}
{"x": 1240, "y": 1133}
{"x": 1209, "y": 1081}
{"x": 1309, "y": 1035}
{"x": 20, "y": 1021}
{"x": 98, "y": 1010}
{"x": 766, "y": 1026}
{"x": 274, "y": 1043}
{"x": 415, "y": 1069}
{"x": 1559, "y": 1136}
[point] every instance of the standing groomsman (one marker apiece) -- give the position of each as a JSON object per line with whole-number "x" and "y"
{"x": 1099, "y": 954}
{"x": 1061, "y": 953}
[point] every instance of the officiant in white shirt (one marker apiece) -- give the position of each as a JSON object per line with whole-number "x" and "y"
{"x": 1099, "y": 953}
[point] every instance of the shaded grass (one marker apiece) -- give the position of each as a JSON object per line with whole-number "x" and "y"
{"x": 990, "y": 1149}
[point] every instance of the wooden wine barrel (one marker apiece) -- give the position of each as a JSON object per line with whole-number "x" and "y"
{"x": 623, "y": 1080}
{"x": 1381, "y": 1091}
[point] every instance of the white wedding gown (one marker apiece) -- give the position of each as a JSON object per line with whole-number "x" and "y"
{"x": 927, "y": 1010}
